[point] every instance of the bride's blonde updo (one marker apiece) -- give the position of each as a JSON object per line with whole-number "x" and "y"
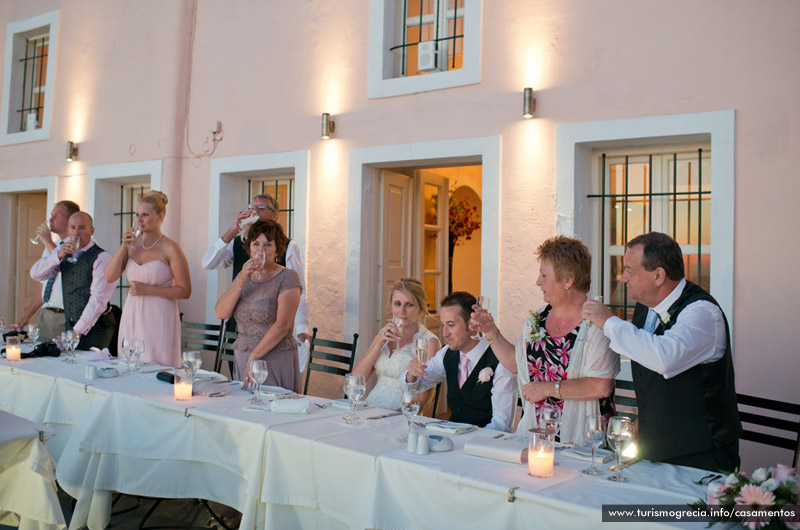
{"x": 157, "y": 200}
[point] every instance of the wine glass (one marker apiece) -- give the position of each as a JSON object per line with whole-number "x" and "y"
{"x": 410, "y": 408}
{"x": 33, "y": 333}
{"x": 483, "y": 303}
{"x": 138, "y": 350}
{"x": 74, "y": 338}
{"x": 258, "y": 374}
{"x": 422, "y": 350}
{"x": 354, "y": 386}
{"x": 399, "y": 323}
{"x": 72, "y": 258}
{"x": 619, "y": 435}
{"x": 550, "y": 419}
{"x": 595, "y": 434}
{"x": 60, "y": 342}
{"x": 137, "y": 232}
{"x": 127, "y": 351}
{"x": 192, "y": 360}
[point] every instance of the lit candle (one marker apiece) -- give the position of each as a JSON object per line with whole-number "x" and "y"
{"x": 541, "y": 453}
{"x": 183, "y": 390}
{"x": 13, "y": 352}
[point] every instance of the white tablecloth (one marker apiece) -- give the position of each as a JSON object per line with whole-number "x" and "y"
{"x": 128, "y": 434}
{"x": 28, "y": 496}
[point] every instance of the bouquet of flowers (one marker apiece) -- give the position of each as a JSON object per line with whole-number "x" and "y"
{"x": 755, "y": 501}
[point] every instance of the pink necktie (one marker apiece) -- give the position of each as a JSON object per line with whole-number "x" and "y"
{"x": 463, "y": 373}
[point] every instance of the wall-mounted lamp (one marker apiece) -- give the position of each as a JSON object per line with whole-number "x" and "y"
{"x": 72, "y": 151}
{"x": 328, "y": 126}
{"x": 528, "y": 103}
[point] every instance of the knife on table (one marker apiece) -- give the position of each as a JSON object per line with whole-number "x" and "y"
{"x": 387, "y": 415}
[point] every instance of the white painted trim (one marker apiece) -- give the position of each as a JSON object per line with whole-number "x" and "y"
{"x": 13, "y": 28}
{"x": 358, "y": 315}
{"x": 574, "y": 145}
{"x": 380, "y": 84}
{"x": 47, "y": 184}
{"x": 296, "y": 160}
{"x": 125, "y": 170}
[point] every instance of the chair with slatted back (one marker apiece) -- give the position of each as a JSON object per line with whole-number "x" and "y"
{"x": 200, "y": 337}
{"x": 625, "y": 399}
{"x": 225, "y": 351}
{"x": 776, "y": 416}
{"x": 338, "y": 357}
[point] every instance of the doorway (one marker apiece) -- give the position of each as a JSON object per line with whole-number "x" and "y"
{"x": 31, "y": 211}
{"x": 430, "y": 220}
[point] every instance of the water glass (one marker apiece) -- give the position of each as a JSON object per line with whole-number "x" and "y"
{"x": 138, "y": 350}
{"x": 33, "y": 333}
{"x": 410, "y": 408}
{"x": 127, "y": 351}
{"x": 354, "y": 387}
{"x": 258, "y": 373}
{"x": 619, "y": 435}
{"x": 595, "y": 434}
{"x": 192, "y": 360}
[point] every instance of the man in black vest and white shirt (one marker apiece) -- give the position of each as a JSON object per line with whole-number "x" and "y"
{"x": 480, "y": 390}
{"x": 680, "y": 359}
{"x": 228, "y": 251}
{"x": 84, "y": 287}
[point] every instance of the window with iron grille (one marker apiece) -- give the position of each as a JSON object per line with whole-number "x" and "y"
{"x": 129, "y": 197}
{"x": 28, "y": 74}
{"x": 282, "y": 190}
{"x": 433, "y": 28}
{"x": 661, "y": 190}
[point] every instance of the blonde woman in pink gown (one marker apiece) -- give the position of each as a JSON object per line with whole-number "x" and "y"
{"x": 158, "y": 275}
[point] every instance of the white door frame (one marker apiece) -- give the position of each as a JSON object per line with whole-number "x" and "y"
{"x": 361, "y": 184}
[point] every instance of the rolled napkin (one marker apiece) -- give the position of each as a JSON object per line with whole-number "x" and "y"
{"x": 450, "y": 427}
{"x": 513, "y": 450}
{"x": 210, "y": 389}
{"x": 291, "y": 406}
{"x": 585, "y": 453}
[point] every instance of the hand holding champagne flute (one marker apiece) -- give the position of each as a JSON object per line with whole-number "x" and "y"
{"x": 75, "y": 245}
{"x": 131, "y": 235}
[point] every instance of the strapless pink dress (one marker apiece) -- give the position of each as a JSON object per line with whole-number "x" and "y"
{"x": 152, "y": 318}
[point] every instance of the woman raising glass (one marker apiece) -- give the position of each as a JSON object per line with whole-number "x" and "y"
{"x": 561, "y": 362}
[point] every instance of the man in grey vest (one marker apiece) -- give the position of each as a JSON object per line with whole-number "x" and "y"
{"x": 679, "y": 346}
{"x": 50, "y": 319}
{"x": 86, "y": 293}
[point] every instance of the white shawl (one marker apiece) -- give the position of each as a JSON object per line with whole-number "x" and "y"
{"x": 590, "y": 358}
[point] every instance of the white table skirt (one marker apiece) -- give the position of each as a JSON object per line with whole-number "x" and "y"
{"x": 127, "y": 434}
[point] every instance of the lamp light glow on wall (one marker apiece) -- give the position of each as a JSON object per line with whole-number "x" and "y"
{"x": 328, "y": 126}
{"x": 72, "y": 151}
{"x": 528, "y": 103}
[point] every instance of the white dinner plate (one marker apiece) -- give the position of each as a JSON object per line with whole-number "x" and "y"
{"x": 274, "y": 391}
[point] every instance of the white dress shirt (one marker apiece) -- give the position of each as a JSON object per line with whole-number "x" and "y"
{"x": 503, "y": 384}
{"x": 220, "y": 255}
{"x": 100, "y": 292}
{"x": 698, "y": 336}
{"x": 56, "y": 300}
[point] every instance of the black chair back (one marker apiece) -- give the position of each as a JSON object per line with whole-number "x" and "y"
{"x": 776, "y": 416}
{"x": 330, "y": 356}
{"x": 625, "y": 399}
{"x": 225, "y": 351}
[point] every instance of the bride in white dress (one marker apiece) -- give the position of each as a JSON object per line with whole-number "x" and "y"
{"x": 387, "y": 356}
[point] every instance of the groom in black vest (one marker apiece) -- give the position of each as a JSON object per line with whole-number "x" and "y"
{"x": 679, "y": 346}
{"x": 479, "y": 390}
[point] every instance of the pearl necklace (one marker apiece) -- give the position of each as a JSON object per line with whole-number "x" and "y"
{"x": 154, "y": 244}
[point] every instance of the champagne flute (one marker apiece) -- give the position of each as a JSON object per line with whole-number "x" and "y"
{"x": 138, "y": 350}
{"x": 33, "y": 333}
{"x": 127, "y": 350}
{"x": 258, "y": 374}
{"x": 422, "y": 351}
{"x": 71, "y": 258}
{"x": 594, "y": 298}
{"x": 399, "y": 323}
{"x": 619, "y": 435}
{"x": 60, "y": 342}
{"x": 595, "y": 434}
{"x": 483, "y": 303}
{"x": 354, "y": 386}
{"x": 136, "y": 234}
{"x": 192, "y": 360}
{"x": 35, "y": 238}
{"x": 410, "y": 408}
{"x": 73, "y": 343}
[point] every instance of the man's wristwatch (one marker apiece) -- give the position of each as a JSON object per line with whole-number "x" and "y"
{"x": 558, "y": 390}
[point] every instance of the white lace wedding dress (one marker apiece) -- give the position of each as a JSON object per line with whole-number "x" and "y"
{"x": 388, "y": 393}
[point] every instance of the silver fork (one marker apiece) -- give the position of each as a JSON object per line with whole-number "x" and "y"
{"x": 323, "y": 405}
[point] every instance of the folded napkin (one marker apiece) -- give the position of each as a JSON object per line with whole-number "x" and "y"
{"x": 450, "y": 427}
{"x": 585, "y": 453}
{"x": 210, "y": 389}
{"x": 513, "y": 450}
{"x": 291, "y": 406}
{"x": 96, "y": 354}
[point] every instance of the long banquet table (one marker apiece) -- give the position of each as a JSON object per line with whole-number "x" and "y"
{"x": 127, "y": 434}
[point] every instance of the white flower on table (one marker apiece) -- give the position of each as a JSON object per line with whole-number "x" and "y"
{"x": 760, "y": 475}
{"x": 732, "y": 480}
{"x": 770, "y": 484}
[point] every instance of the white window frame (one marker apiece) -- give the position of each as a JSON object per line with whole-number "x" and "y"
{"x": 381, "y": 68}
{"x": 17, "y": 34}
{"x": 576, "y": 145}
{"x": 228, "y": 184}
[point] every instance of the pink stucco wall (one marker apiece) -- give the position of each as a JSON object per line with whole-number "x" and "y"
{"x": 128, "y": 71}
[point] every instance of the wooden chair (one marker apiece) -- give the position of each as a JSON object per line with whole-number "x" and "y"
{"x": 625, "y": 399}
{"x": 773, "y": 415}
{"x": 335, "y": 362}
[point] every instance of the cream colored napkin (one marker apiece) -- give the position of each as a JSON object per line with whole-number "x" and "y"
{"x": 291, "y": 406}
{"x": 514, "y": 451}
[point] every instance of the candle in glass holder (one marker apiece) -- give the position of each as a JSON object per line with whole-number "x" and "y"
{"x": 541, "y": 453}
{"x": 13, "y": 352}
{"x": 183, "y": 385}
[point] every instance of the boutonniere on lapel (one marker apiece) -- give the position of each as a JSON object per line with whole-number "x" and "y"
{"x": 665, "y": 317}
{"x": 537, "y": 330}
{"x": 484, "y": 376}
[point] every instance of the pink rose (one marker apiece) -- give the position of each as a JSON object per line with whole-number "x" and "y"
{"x": 485, "y": 375}
{"x": 782, "y": 472}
